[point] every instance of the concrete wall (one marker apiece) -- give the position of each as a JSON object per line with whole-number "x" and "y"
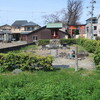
{"x": 88, "y": 32}
{"x": 98, "y": 27}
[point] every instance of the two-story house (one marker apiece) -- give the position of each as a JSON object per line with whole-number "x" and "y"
{"x": 5, "y": 33}
{"x": 98, "y": 27}
{"x": 22, "y": 26}
{"x": 94, "y": 27}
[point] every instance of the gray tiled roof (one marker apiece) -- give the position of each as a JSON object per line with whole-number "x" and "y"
{"x": 19, "y": 23}
{"x": 5, "y": 25}
{"x": 5, "y": 31}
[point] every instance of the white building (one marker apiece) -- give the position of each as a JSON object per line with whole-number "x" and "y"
{"x": 98, "y": 27}
{"x": 94, "y": 27}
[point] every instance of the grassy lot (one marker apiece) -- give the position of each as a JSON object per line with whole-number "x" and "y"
{"x": 64, "y": 84}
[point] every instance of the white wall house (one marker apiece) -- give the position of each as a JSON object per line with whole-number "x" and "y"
{"x": 98, "y": 27}
{"x": 94, "y": 27}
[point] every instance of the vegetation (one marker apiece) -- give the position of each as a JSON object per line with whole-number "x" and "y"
{"x": 11, "y": 61}
{"x": 91, "y": 46}
{"x": 98, "y": 38}
{"x": 63, "y": 84}
{"x": 68, "y": 41}
{"x": 43, "y": 42}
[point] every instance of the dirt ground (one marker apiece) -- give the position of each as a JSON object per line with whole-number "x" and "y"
{"x": 63, "y": 61}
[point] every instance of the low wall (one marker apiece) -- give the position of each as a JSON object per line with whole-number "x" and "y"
{"x": 7, "y": 49}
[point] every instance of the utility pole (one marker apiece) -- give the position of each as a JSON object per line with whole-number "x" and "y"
{"x": 91, "y": 24}
{"x": 76, "y": 59}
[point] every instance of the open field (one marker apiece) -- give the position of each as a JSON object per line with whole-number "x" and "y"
{"x": 64, "y": 84}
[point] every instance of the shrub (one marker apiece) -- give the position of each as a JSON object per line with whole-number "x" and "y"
{"x": 97, "y": 59}
{"x": 89, "y": 45}
{"x": 68, "y": 41}
{"x": 43, "y": 42}
{"x": 97, "y": 48}
{"x": 98, "y": 67}
{"x": 97, "y": 38}
{"x": 22, "y": 61}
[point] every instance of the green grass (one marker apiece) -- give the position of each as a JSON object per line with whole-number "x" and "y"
{"x": 80, "y": 48}
{"x": 64, "y": 84}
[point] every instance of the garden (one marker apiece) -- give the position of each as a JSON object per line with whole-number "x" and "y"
{"x": 39, "y": 80}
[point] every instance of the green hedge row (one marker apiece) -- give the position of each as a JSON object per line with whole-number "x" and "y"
{"x": 90, "y": 45}
{"x": 68, "y": 41}
{"x": 23, "y": 61}
{"x": 43, "y": 42}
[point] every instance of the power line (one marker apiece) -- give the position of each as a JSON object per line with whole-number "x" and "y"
{"x": 15, "y": 11}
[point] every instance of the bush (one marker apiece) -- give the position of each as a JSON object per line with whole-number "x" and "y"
{"x": 22, "y": 61}
{"x": 89, "y": 45}
{"x": 92, "y": 46}
{"x": 98, "y": 67}
{"x": 97, "y": 59}
{"x": 68, "y": 41}
{"x": 43, "y": 42}
{"x": 97, "y": 38}
{"x": 97, "y": 48}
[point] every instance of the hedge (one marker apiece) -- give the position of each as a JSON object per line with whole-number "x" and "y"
{"x": 67, "y": 41}
{"x": 89, "y": 45}
{"x": 43, "y": 42}
{"x": 11, "y": 61}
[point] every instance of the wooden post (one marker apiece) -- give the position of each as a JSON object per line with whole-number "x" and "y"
{"x": 76, "y": 59}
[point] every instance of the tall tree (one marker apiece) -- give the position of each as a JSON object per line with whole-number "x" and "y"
{"x": 52, "y": 18}
{"x": 74, "y": 12}
{"x": 69, "y": 15}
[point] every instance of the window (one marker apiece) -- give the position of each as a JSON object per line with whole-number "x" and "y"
{"x": 95, "y": 34}
{"x": 35, "y": 38}
{"x": 87, "y": 29}
{"x": 17, "y": 27}
{"x": 95, "y": 27}
{"x": 29, "y": 28}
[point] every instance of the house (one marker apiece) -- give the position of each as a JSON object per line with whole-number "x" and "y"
{"x": 51, "y": 31}
{"x": 76, "y": 30}
{"x": 22, "y": 26}
{"x": 94, "y": 27}
{"x": 5, "y": 33}
{"x": 98, "y": 27}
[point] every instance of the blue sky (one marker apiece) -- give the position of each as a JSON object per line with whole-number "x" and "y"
{"x": 33, "y": 10}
